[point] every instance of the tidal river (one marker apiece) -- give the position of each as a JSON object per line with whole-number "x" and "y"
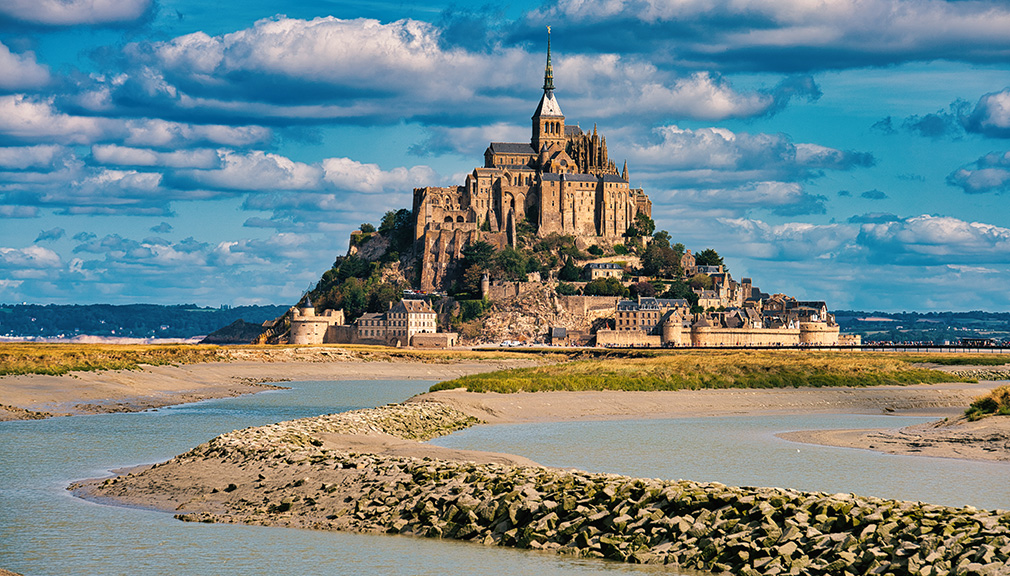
{"x": 46, "y": 531}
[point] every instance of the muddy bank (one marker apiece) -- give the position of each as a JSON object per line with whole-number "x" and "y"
{"x": 39, "y": 396}
{"x": 985, "y": 439}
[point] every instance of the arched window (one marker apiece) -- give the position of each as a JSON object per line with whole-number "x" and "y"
{"x": 459, "y": 219}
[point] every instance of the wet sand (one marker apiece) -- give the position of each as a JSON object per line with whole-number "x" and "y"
{"x": 32, "y": 396}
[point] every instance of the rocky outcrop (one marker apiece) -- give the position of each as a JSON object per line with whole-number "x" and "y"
{"x": 528, "y": 316}
{"x": 283, "y": 474}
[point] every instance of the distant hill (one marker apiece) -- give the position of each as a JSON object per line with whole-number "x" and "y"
{"x": 933, "y": 327}
{"x": 125, "y": 321}
{"x": 238, "y": 332}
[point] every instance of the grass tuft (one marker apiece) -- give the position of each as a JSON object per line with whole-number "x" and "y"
{"x": 995, "y": 403}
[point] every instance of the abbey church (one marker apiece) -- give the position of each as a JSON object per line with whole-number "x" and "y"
{"x": 561, "y": 182}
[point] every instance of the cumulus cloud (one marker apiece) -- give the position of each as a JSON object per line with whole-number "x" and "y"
{"x": 347, "y": 174}
{"x": 29, "y": 157}
{"x": 37, "y": 119}
{"x": 163, "y": 228}
{"x": 991, "y": 115}
{"x": 75, "y": 12}
{"x": 790, "y": 35}
{"x": 781, "y": 198}
{"x": 23, "y": 262}
{"x": 21, "y": 71}
{"x": 792, "y": 241}
{"x": 990, "y": 173}
{"x": 715, "y": 155}
{"x": 112, "y": 154}
{"x": 935, "y": 240}
{"x": 283, "y": 69}
{"x": 256, "y": 170}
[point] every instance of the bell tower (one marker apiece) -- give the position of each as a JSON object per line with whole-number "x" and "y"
{"x": 548, "y": 120}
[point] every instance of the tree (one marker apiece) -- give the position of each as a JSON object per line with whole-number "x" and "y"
{"x": 565, "y": 289}
{"x": 681, "y": 290}
{"x": 643, "y": 289}
{"x": 595, "y": 250}
{"x": 367, "y": 228}
{"x": 605, "y": 287}
{"x": 478, "y": 254}
{"x": 510, "y": 264}
{"x": 708, "y": 257}
{"x": 701, "y": 282}
{"x": 661, "y": 239}
{"x": 570, "y": 272}
{"x": 642, "y": 226}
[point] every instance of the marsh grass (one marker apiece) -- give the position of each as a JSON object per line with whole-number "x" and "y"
{"x": 57, "y": 359}
{"x": 995, "y": 403}
{"x": 708, "y": 369}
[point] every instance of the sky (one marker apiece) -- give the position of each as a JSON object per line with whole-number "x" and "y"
{"x": 183, "y": 151}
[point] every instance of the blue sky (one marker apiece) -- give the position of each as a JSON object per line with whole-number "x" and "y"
{"x": 178, "y": 151}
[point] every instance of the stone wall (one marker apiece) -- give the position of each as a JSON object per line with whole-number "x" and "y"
{"x": 624, "y": 338}
{"x": 818, "y": 333}
{"x": 436, "y": 340}
{"x": 703, "y": 336}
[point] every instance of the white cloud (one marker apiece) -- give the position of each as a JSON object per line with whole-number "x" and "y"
{"x": 36, "y": 119}
{"x": 256, "y": 170}
{"x": 717, "y": 155}
{"x": 28, "y": 157}
{"x": 21, "y": 71}
{"x": 112, "y": 154}
{"x": 991, "y": 115}
{"x": 30, "y": 258}
{"x": 164, "y": 134}
{"x": 990, "y": 173}
{"x": 351, "y": 175}
{"x": 936, "y": 240}
{"x": 75, "y": 12}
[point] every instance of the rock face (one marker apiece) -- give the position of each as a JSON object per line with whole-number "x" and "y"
{"x": 528, "y": 316}
{"x": 283, "y": 475}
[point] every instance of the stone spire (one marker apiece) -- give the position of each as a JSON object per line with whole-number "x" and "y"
{"x": 624, "y": 173}
{"x": 549, "y": 70}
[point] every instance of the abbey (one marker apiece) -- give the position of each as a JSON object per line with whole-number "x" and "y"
{"x": 561, "y": 182}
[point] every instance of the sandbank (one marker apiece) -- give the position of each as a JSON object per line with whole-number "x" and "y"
{"x": 32, "y": 396}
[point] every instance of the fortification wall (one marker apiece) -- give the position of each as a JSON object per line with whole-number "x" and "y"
{"x": 501, "y": 289}
{"x": 818, "y": 333}
{"x": 703, "y": 336}
{"x": 627, "y": 338}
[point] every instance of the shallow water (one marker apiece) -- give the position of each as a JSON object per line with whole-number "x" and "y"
{"x": 45, "y": 531}
{"x": 743, "y": 451}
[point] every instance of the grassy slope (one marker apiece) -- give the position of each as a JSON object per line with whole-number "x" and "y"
{"x": 709, "y": 369}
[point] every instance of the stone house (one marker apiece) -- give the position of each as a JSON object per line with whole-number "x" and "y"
{"x": 595, "y": 270}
